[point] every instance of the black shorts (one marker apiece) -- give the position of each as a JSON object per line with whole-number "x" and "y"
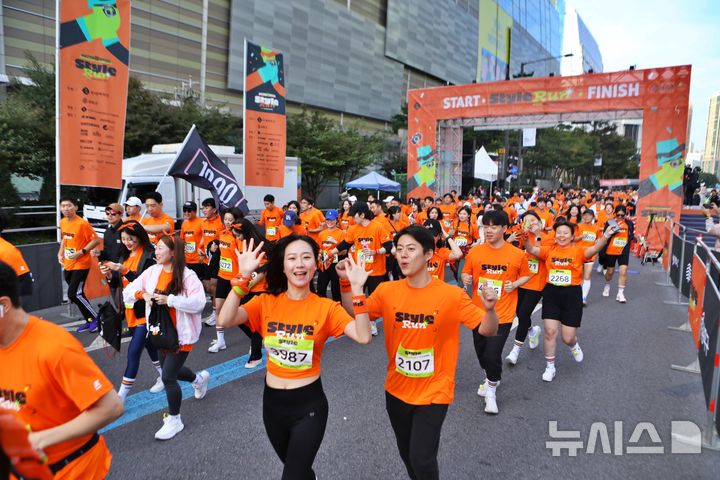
{"x": 609, "y": 261}
{"x": 197, "y": 268}
{"x": 223, "y": 288}
{"x": 563, "y": 304}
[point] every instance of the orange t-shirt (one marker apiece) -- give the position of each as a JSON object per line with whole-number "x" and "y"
{"x": 328, "y": 239}
{"x": 395, "y": 227}
{"x": 13, "y": 257}
{"x": 131, "y": 263}
{"x": 133, "y": 217}
{"x": 511, "y": 213}
{"x": 421, "y": 217}
{"x": 228, "y": 258}
{"x": 271, "y": 219}
{"x": 346, "y": 221}
{"x": 465, "y": 233}
{"x": 312, "y": 220}
{"x": 496, "y": 265}
{"x": 564, "y": 264}
{"x": 76, "y": 233}
{"x": 295, "y": 331}
{"x": 47, "y": 380}
{"x": 192, "y": 235}
{"x": 546, "y": 218}
{"x": 436, "y": 264}
{"x": 164, "y": 219}
{"x": 586, "y": 234}
{"x": 422, "y": 337}
{"x": 161, "y": 287}
{"x": 617, "y": 242}
{"x": 372, "y": 236}
{"x": 284, "y": 231}
{"x": 448, "y": 216}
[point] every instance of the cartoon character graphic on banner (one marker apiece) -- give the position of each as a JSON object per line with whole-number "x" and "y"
{"x": 267, "y": 70}
{"x": 102, "y": 24}
{"x": 428, "y": 169}
{"x": 670, "y": 162}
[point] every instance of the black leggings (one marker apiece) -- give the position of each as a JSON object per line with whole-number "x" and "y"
{"x": 417, "y": 432}
{"x": 489, "y": 351}
{"x": 295, "y": 422}
{"x": 527, "y": 301}
{"x": 329, "y": 276}
{"x": 139, "y": 341}
{"x": 76, "y": 292}
{"x": 172, "y": 371}
{"x": 255, "y": 337}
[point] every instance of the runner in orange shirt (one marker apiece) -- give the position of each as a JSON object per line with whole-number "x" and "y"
{"x": 133, "y": 205}
{"x": 422, "y": 340}
{"x": 291, "y": 225}
{"x": 13, "y": 257}
{"x": 587, "y": 233}
{"x": 395, "y": 222}
{"x": 448, "y": 210}
{"x": 212, "y": 225}
{"x": 498, "y": 263}
{"x": 562, "y": 296}
{"x": 271, "y": 218}
{"x": 441, "y": 255}
{"x": 191, "y": 232}
{"x": 329, "y": 238}
{"x": 618, "y": 252}
{"x": 546, "y": 216}
{"x": 345, "y": 218}
{"x": 312, "y": 218}
{"x": 54, "y": 389}
{"x": 78, "y": 239}
{"x": 156, "y": 222}
{"x": 295, "y": 324}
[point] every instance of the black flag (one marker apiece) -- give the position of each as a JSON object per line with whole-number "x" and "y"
{"x": 197, "y": 164}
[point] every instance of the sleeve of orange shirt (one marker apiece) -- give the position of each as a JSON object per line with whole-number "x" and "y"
{"x": 88, "y": 233}
{"x": 338, "y": 319}
{"x": 253, "y": 308}
{"x": 469, "y": 260}
{"x": 544, "y": 251}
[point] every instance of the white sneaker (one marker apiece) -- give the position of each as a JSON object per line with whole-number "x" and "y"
{"x": 491, "y": 404}
{"x": 548, "y": 374}
{"x": 599, "y": 268}
{"x": 482, "y": 389}
{"x": 577, "y": 353}
{"x": 158, "y": 387}
{"x": 201, "y": 386}
{"x": 621, "y": 297}
{"x": 211, "y": 320}
{"x": 534, "y": 337}
{"x": 171, "y": 427}
{"x": 373, "y": 329}
{"x": 513, "y": 355}
{"x": 253, "y": 363}
{"x": 216, "y": 346}
{"x": 606, "y": 291}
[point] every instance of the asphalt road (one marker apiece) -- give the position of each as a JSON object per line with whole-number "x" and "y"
{"x": 625, "y": 377}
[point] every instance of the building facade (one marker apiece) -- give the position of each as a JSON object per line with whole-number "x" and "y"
{"x": 711, "y": 157}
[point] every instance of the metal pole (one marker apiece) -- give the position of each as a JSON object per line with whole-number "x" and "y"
{"x": 203, "y": 52}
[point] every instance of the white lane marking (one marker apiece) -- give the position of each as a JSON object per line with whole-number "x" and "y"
{"x": 72, "y": 324}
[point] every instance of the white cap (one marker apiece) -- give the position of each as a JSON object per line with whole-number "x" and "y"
{"x": 389, "y": 199}
{"x": 133, "y": 202}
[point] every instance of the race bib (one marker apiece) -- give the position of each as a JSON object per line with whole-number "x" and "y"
{"x": 619, "y": 242}
{"x": 415, "y": 363}
{"x": 363, "y": 258}
{"x": 461, "y": 241}
{"x": 589, "y": 236}
{"x": 189, "y": 247}
{"x": 447, "y": 223}
{"x": 270, "y": 231}
{"x": 533, "y": 265}
{"x": 292, "y": 353}
{"x": 69, "y": 252}
{"x": 561, "y": 278}
{"x": 226, "y": 264}
{"x": 496, "y": 285}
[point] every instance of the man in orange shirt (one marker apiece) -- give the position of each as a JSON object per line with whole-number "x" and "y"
{"x": 498, "y": 264}
{"x": 329, "y": 238}
{"x": 312, "y": 218}
{"x": 78, "y": 239}
{"x": 13, "y": 257}
{"x": 271, "y": 218}
{"x": 157, "y": 223}
{"x": 191, "y": 232}
{"x": 212, "y": 226}
{"x": 133, "y": 205}
{"x": 54, "y": 388}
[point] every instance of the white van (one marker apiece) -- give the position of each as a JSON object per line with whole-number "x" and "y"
{"x": 142, "y": 175}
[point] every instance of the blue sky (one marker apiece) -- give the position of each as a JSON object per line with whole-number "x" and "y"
{"x": 658, "y": 33}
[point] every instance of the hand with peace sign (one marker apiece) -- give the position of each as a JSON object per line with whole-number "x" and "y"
{"x": 250, "y": 258}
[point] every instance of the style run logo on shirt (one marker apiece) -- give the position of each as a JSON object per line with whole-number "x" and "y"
{"x": 290, "y": 330}
{"x": 415, "y": 320}
{"x": 494, "y": 269}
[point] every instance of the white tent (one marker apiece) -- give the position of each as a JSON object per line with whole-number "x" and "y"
{"x": 485, "y": 167}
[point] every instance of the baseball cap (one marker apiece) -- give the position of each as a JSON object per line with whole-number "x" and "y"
{"x": 331, "y": 214}
{"x": 289, "y": 218}
{"x": 433, "y": 226}
{"x": 388, "y": 199}
{"x": 189, "y": 205}
{"x": 115, "y": 207}
{"x": 134, "y": 202}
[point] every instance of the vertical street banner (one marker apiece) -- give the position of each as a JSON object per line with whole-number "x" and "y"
{"x": 92, "y": 86}
{"x": 198, "y": 164}
{"x": 264, "y": 139}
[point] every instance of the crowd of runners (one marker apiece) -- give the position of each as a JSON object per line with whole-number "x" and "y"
{"x": 292, "y": 278}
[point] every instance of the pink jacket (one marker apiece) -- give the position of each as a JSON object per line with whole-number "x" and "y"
{"x": 188, "y": 306}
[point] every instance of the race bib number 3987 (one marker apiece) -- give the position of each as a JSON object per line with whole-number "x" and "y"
{"x": 292, "y": 353}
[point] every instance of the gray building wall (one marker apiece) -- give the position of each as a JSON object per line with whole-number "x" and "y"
{"x": 524, "y": 48}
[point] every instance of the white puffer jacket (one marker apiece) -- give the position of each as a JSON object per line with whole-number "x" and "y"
{"x": 188, "y": 305}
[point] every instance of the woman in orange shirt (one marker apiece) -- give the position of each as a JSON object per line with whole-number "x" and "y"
{"x": 345, "y": 218}
{"x": 169, "y": 282}
{"x": 586, "y": 234}
{"x": 295, "y": 324}
{"x": 395, "y": 223}
{"x": 562, "y": 296}
{"x": 136, "y": 256}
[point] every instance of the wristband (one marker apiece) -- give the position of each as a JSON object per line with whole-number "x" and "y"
{"x": 344, "y": 286}
{"x": 359, "y": 305}
{"x": 240, "y": 285}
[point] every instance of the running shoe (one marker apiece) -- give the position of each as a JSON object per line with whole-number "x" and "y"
{"x": 621, "y": 297}
{"x": 513, "y": 356}
{"x": 534, "y": 337}
{"x": 491, "y": 404}
{"x": 211, "y": 320}
{"x": 548, "y": 374}
{"x": 85, "y": 327}
{"x": 253, "y": 363}
{"x": 201, "y": 386}
{"x": 606, "y": 291}
{"x": 171, "y": 427}
{"x": 373, "y": 329}
{"x": 216, "y": 346}
{"x": 577, "y": 353}
{"x": 482, "y": 389}
{"x": 93, "y": 326}
{"x": 158, "y": 387}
